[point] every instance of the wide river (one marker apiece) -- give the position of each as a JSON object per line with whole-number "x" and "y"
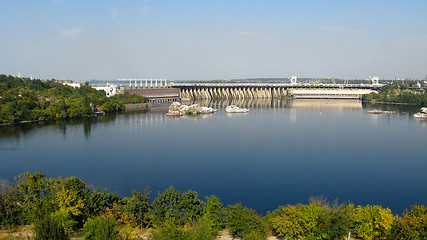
{"x": 281, "y": 152}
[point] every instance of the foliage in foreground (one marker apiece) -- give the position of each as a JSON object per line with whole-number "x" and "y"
{"x": 48, "y": 228}
{"x": 413, "y": 224}
{"x": 244, "y": 222}
{"x": 61, "y": 207}
{"x": 101, "y": 228}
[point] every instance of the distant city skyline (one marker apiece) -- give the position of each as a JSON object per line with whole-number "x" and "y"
{"x": 213, "y": 40}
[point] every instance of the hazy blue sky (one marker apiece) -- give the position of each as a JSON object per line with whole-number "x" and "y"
{"x": 217, "y": 39}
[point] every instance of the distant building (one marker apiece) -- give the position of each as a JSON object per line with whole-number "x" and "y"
{"x": 110, "y": 89}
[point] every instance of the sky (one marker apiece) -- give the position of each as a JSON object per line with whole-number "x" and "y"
{"x": 211, "y": 40}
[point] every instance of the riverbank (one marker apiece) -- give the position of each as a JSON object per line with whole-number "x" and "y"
{"x": 128, "y": 108}
{"x": 397, "y": 96}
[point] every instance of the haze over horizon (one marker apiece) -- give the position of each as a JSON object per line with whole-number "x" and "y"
{"x": 208, "y": 40}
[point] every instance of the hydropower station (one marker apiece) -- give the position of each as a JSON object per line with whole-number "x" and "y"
{"x": 161, "y": 90}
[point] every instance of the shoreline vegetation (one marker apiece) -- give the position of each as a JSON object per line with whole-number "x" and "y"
{"x": 24, "y": 100}
{"x": 58, "y": 208}
{"x": 399, "y": 93}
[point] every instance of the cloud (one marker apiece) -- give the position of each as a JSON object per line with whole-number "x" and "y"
{"x": 339, "y": 29}
{"x": 249, "y": 34}
{"x": 69, "y": 33}
{"x": 114, "y": 15}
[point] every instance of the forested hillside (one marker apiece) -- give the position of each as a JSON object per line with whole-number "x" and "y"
{"x": 23, "y": 99}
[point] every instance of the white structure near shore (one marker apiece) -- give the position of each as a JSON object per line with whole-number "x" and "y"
{"x": 110, "y": 89}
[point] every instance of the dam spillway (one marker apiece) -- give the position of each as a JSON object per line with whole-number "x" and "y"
{"x": 201, "y": 91}
{"x": 232, "y": 92}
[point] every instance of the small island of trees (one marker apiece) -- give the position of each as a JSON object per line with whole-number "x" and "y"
{"x": 59, "y": 208}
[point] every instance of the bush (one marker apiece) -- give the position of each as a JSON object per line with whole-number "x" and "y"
{"x": 170, "y": 230}
{"x": 372, "y": 222}
{"x": 213, "y": 212}
{"x": 192, "y": 111}
{"x": 10, "y": 211}
{"x": 48, "y": 229}
{"x": 337, "y": 222}
{"x": 201, "y": 230}
{"x": 413, "y": 225}
{"x": 243, "y": 221}
{"x": 101, "y": 228}
{"x": 204, "y": 229}
{"x": 299, "y": 221}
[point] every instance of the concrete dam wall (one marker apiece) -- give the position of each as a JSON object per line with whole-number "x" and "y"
{"x": 232, "y": 92}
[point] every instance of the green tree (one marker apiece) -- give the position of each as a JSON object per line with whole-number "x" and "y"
{"x": 101, "y": 228}
{"x": 140, "y": 207}
{"x": 372, "y": 222}
{"x": 170, "y": 230}
{"x": 69, "y": 209}
{"x": 190, "y": 206}
{"x": 35, "y": 192}
{"x": 98, "y": 202}
{"x": 166, "y": 206}
{"x": 243, "y": 221}
{"x": 203, "y": 229}
{"x": 48, "y": 228}
{"x": 337, "y": 222}
{"x": 299, "y": 221}
{"x": 213, "y": 212}
{"x": 412, "y": 225}
{"x": 10, "y": 211}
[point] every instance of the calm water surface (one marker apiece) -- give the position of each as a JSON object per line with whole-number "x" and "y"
{"x": 279, "y": 153}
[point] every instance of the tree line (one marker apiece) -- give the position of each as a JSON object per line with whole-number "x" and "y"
{"x": 61, "y": 208}
{"x": 24, "y": 99}
{"x": 399, "y": 92}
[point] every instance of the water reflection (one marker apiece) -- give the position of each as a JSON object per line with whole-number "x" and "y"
{"x": 156, "y": 116}
{"x": 19, "y": 131}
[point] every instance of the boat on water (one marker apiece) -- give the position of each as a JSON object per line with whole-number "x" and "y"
{"x": 381, "y": 112}
{"x": 422, "y": 114}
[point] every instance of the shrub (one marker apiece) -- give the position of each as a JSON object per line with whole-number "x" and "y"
{"x": 10, "y": 211}
{"x": 412, "y": 225}
{"x": 372, "y": 222}
{"x": 48, "y": 229}
{"x": 337, "y": 222}
{"x": 243, "y": 221}
{"x": 192, "y": 111}
{"x": 204, "y": 229}
{"x": 101, "y": 228}
{"x": 299, "y": 221}
{"x": 170, "y": 230}
{"x": 213, "y": 212}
